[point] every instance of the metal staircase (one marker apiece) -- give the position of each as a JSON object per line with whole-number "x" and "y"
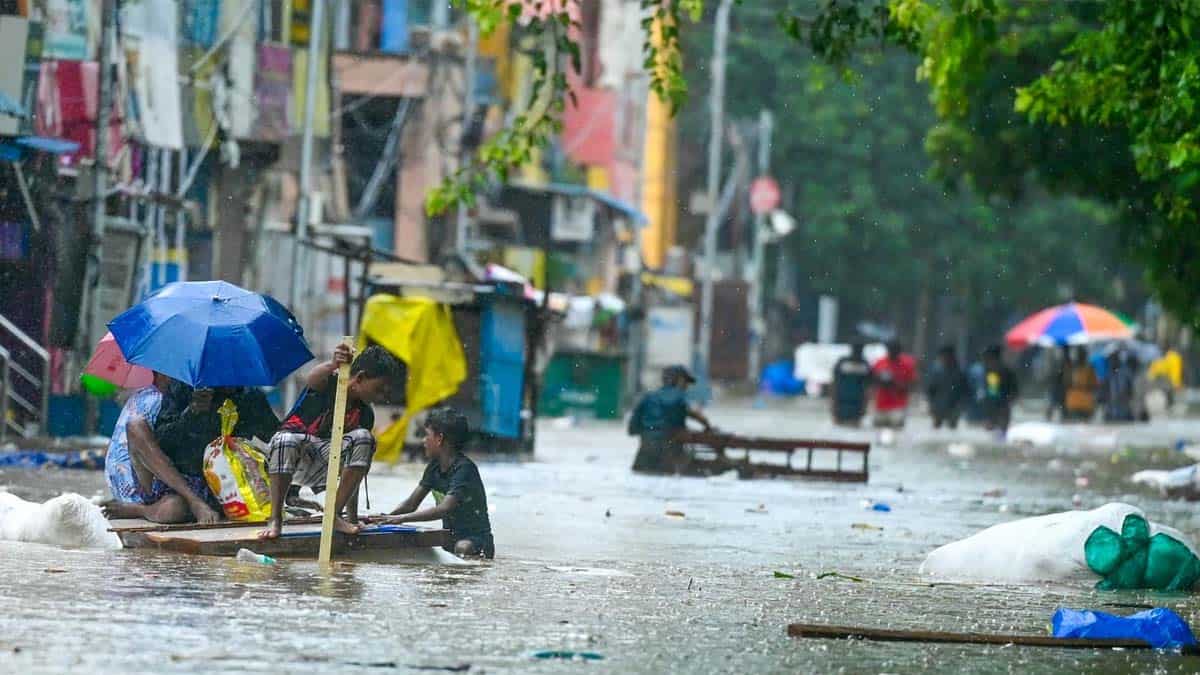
{"x": 24, "y": 382}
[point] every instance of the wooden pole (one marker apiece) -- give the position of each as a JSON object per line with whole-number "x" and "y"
{"x": 807, "y": 630}
{"x": 334, "y": 473}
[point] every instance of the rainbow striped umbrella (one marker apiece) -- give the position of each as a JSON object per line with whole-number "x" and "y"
{"x": 1074, "y": 323}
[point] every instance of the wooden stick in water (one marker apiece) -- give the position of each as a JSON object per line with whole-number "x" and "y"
{"x": 334, "y": 474}
{"x": 809, "y": 630}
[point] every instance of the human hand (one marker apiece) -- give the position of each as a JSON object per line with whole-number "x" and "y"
{"x": 381, "y": 519}
{"x": 343, "y": 355}
{"x": 201, "y": 401}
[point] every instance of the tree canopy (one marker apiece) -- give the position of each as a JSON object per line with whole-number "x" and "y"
{"x": 1094, "y": 99}
{"x": 877, "y": 227}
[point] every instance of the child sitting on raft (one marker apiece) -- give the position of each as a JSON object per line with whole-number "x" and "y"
{"x": 457, "y": 488}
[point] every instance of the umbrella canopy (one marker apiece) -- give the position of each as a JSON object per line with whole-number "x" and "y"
{"x": 1073, "y": 323}
{"x": 212, "y": 334}
{"x": 109, "y": 364}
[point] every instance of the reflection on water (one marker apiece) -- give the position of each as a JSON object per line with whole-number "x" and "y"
{"x": 588, "y": 561}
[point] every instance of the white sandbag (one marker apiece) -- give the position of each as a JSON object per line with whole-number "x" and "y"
{"x": 69, "y": 520}
{"x": 1164, "y": 480}
{"x": 1044, "y": 548}
{"x": 1182, "y": 482}
{"x": 1037, "y": 434}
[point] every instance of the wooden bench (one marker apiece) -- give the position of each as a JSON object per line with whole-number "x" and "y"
{"x": 710, "y": 452}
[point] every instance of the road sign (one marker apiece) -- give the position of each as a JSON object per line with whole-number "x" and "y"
{"x": 764, "y": 195}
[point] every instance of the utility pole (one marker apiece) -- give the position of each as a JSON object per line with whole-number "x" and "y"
{"x": 757, "y": 324}
{"x": 316, "y": 30}
{"x": 90, "y": 302}
{"x": 100, "y": 179}
{"x": 716, "y": 141}
{"x": 461, "y": 228}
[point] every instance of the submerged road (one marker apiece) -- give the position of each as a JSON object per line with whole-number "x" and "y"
{"x": 588, "y": 560}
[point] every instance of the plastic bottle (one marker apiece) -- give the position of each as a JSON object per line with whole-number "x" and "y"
{"x": 247, "y": 556}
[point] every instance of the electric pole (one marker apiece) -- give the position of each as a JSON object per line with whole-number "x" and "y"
{"x": 316, "y": 26}
{"x": 757, "y": 324}
{"x": 91, "y": 309}
{"x": 461, "y": 226}
{"x": 715, "y": 145}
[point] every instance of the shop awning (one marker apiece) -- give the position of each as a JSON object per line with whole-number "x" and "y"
{"x": 13, "y": 149}
{"x": 624, "y": 208}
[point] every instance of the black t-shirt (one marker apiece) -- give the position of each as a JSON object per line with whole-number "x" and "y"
{"x": 470, "y": 517}
{"x": 183, "y": 434}
{"x": 313, "y": 413}
{"x": 851, "y": 376}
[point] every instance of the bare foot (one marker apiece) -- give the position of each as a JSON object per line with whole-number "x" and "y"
{"x": 344, "y": 527}
{"x": 114, "y": 508}
{"x": 204, "y": 514}
{"x": 272, "y": 531}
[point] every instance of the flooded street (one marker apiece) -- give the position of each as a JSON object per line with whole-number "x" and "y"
{"x": 588, "y": 561}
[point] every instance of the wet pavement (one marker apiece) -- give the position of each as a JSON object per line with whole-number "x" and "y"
{"x": 588, "y": 561}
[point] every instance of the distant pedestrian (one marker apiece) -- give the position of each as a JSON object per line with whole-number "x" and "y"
{"x": 1058, "y": 385}
{"x": 978, "y": 391}
{"x": 659, "y": 417}
{"x": 948, "y": 390}
{"x": 1082, "y": 383}
{"x": 893, "y": 377}
{"x": 1118, "y": 389}
{"x": 1001, "y": 389}
{"x": 851, "y": 379}
{"x": 1166, "y": 374}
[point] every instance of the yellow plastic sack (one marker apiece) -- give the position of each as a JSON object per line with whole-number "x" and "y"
{"x": 419, "y": 332}
{"x": 236, "y": 472}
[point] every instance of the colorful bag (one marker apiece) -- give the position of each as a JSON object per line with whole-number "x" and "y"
{"x": 236, "y": 472}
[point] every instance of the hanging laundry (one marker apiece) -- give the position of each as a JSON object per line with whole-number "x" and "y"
{"x": 200, "y": 22}
{"x": 149, "y": 37}
{"x": 66, "y": 108}
{"x": 273, "y": 91}
{"x": 67, "y": 30}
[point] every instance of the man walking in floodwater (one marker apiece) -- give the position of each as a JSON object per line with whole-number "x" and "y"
{"x": 894, "y": 377}
{"x": 851, "y": 378}
{"x": 947, "y": 390}
{"x": 659, "y": 417}
{"x": 1000, "y": 390}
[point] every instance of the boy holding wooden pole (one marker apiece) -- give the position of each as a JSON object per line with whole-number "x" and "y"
{"x": 300, "y": 450}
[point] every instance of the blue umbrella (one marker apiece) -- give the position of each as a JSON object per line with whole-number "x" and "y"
{"x": 212, "y": 334}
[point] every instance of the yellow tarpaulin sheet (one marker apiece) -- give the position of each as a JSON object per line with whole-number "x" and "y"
{"x": 420, "y": 332}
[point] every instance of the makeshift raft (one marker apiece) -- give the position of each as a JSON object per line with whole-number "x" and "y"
{"x": 713, "y": 452}
{"x": 300, "y": 538}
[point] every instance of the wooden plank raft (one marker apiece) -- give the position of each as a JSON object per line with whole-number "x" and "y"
{"x": 301, "y": 538}
{"x": 709, "y": 453}
{"x": 812, "y": 630}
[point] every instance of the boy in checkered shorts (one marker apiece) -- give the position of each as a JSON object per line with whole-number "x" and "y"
{"x": 300, "y": 450}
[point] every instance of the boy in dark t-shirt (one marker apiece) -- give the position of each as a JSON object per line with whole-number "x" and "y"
{"x": 454, "y": 480}
{"x": 300, "y": 449}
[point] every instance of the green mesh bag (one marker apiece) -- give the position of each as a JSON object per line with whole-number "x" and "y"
{"x": 1136, "y": 559}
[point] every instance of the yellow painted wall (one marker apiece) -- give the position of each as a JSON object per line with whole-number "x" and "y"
{"x": 658, "y": 181}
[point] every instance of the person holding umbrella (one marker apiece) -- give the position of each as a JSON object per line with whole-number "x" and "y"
{"x": 215, "y": 341}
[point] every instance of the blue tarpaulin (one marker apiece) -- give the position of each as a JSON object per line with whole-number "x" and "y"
{"x": 1160, "y": 627}
{"x": 35, "y": 459}
{"x": 779, "y": 379}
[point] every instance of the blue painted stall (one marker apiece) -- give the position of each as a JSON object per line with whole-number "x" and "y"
{"x": 502, "y": 366}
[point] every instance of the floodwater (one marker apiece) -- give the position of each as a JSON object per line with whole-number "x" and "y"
{"x": 588, "y": 561}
